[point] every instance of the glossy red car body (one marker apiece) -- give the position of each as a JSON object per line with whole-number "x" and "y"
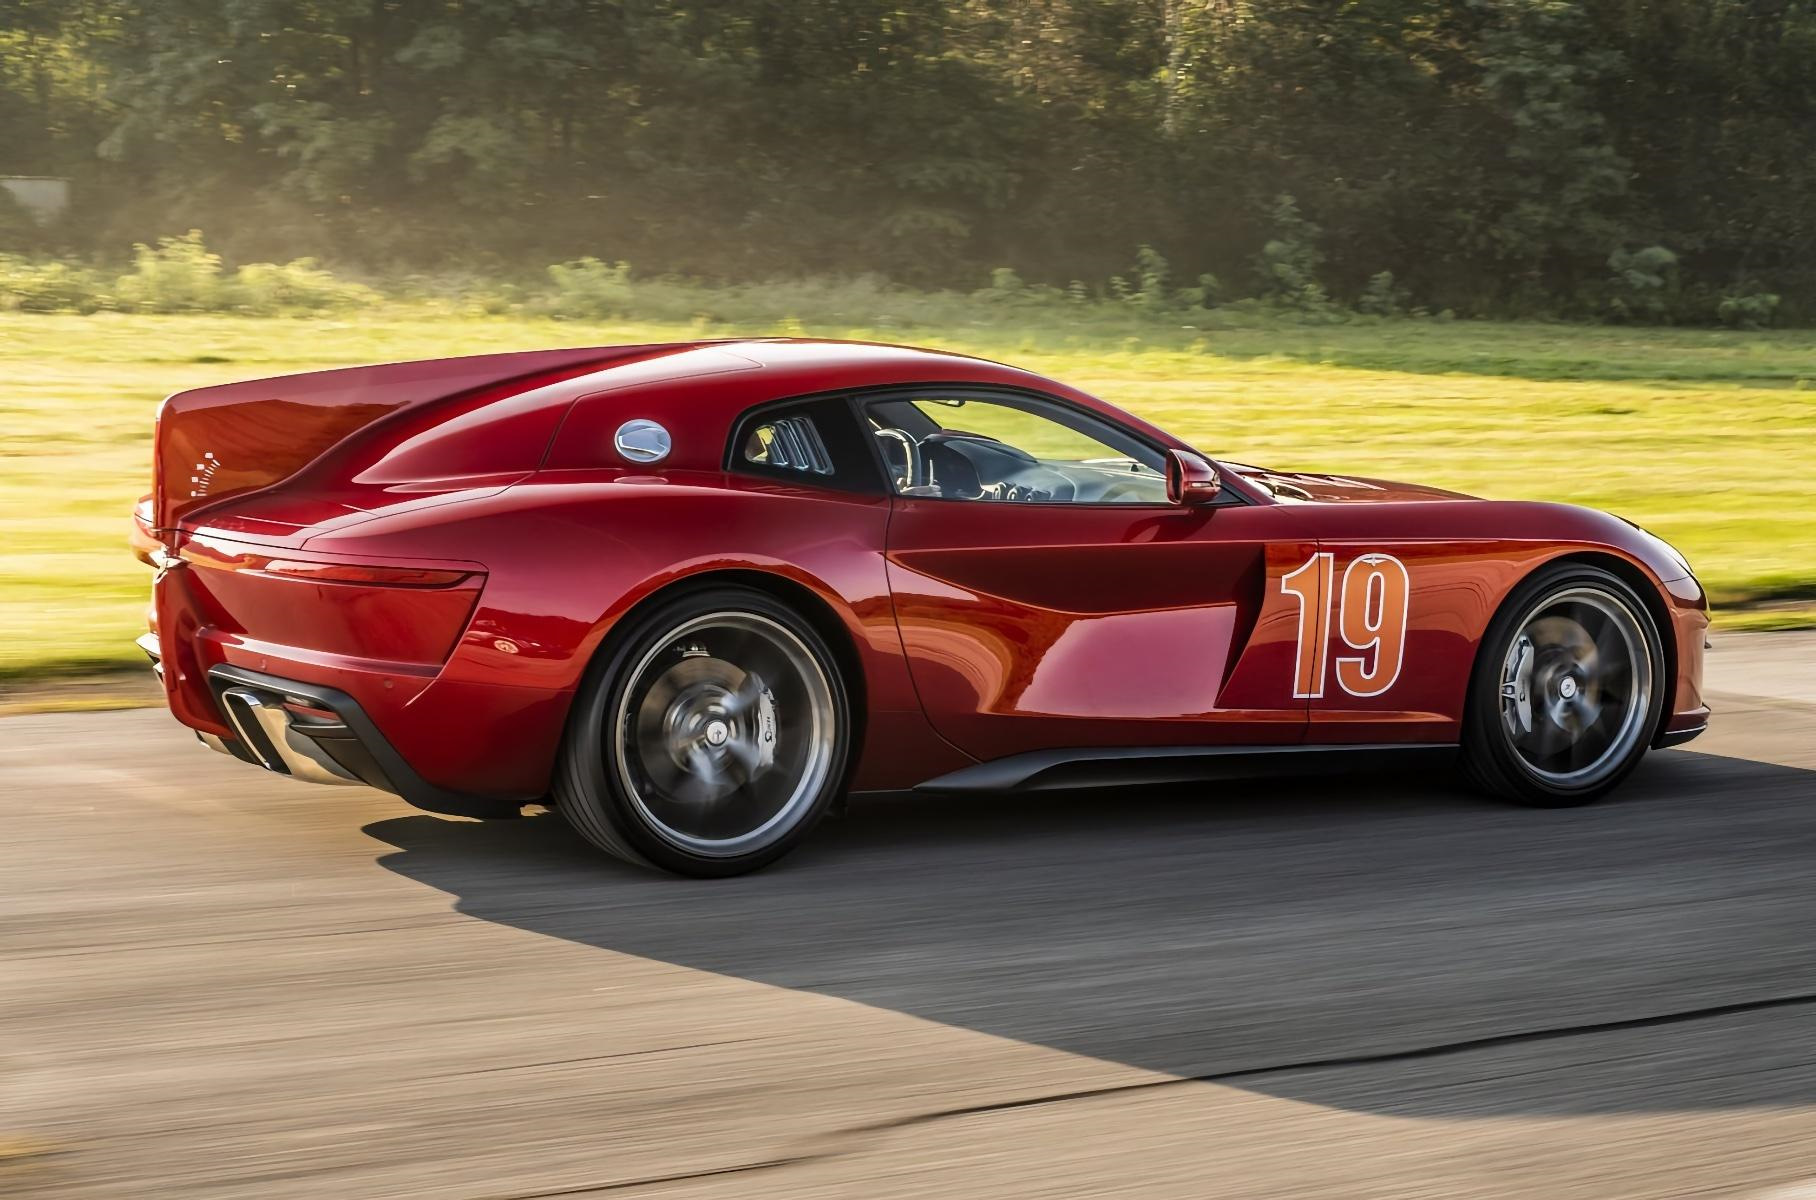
{"x": 449, "y": 544}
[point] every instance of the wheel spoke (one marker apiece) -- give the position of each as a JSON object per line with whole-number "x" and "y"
{"x": 1550, "y": 737}
{"x": 1611, "y": 649}
{"x": 744, "y": 699}
{"x": 703, "y": 770}
{"x": 745, "y": 755}
{"x": 1583, "y": 713}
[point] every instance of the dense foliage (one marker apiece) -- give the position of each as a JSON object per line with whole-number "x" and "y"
{"x": 1625, "y": 159}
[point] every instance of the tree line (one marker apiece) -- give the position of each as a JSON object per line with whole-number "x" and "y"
{"x": 1625, "y": 159}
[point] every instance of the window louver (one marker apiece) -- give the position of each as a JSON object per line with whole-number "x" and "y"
{"x": 792, "y": 443}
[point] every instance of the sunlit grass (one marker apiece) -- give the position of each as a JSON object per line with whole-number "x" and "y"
{"x": 1708, "y": 438}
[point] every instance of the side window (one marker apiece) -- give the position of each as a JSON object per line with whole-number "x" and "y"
{"x": 1014, "y": 449}
{"x": 812, "y": 442}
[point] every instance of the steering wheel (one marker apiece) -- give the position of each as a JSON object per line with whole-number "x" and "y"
{"x": 911, "y": 451}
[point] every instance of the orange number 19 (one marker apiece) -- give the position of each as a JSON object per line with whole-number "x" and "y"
{"x": 1371, "y": 619}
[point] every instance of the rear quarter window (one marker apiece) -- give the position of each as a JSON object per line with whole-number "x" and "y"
{"x": 815, "y": 443}
{"x": 791, "y": 443}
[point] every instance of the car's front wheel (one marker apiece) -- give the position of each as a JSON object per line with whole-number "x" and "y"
{"x": 1566, "y": 691}
{"x": 710, "y": 740}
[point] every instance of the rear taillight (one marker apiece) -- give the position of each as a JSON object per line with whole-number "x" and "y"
{"x": 354, "y": 573}
{"x": 271, "y": 599}
{"x": 218, "y": 555}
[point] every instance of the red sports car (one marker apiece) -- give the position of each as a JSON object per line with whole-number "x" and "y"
{"x": 692, "y": 594}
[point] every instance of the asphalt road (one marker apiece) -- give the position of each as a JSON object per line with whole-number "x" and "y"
{"x": 215, "y": 983}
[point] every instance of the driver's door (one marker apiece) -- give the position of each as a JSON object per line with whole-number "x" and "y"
{"x": 1044, "y": 603}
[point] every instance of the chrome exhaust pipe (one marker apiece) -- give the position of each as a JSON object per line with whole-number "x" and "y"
{"x": 268, "y": 730}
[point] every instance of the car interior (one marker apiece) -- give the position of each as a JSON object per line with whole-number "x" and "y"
{"x": 1011, "y": 449}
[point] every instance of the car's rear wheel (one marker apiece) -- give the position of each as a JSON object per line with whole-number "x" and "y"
{"x": 1566, "y": 690}
{"x": 711, "y": 739}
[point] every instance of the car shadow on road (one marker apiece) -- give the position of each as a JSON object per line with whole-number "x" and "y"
{"x": 1381, "y": 944}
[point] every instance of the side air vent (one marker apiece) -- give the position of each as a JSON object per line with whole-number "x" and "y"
{"x": 791, "y": 443}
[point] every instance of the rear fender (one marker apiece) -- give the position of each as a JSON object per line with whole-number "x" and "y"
{"x": 570, "y": 553}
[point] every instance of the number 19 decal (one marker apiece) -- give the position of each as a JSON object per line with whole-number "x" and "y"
{"x": 1371, "y": 618}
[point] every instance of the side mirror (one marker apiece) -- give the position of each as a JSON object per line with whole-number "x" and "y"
{"x": 1191, "y": 480}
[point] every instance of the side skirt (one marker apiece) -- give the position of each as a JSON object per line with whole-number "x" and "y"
{"x": 1055, "y": 770}
{"x": 1679, "y": 737}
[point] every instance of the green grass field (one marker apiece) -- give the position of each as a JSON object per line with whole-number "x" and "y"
{"x": 1708, "y": 438}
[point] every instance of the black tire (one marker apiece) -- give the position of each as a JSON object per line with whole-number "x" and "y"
{"x": 673, "y": 743}
{"x": 1513, "y": 745}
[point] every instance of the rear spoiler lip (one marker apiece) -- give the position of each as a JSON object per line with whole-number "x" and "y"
{"x": 512, "y": 363}
{"x": 462, "y": 375}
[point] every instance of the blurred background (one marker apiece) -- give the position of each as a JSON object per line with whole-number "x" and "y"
{"x": 1547, "y": 248}
{"x": 1486, "y": 157}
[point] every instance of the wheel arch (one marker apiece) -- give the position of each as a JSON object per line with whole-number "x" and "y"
{"x": 1629, "y": 573}
{"x": 812, "y": 607}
